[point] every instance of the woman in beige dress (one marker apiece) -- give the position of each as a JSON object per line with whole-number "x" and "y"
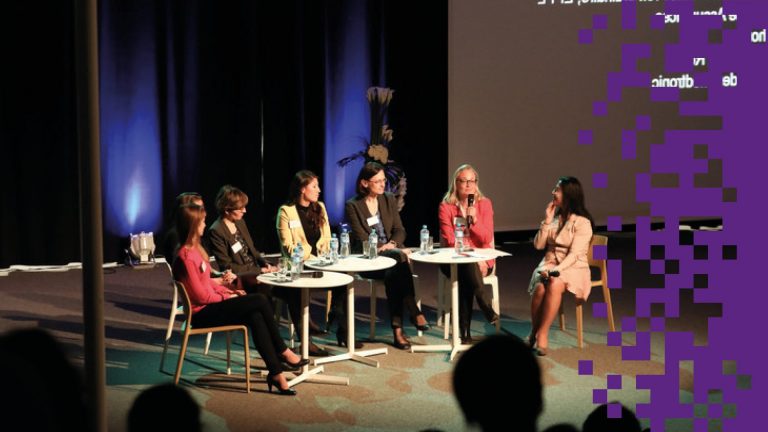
{"x": 566, "y": 233}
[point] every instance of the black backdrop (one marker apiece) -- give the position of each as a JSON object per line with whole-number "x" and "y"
{"x": 253, "y": 60}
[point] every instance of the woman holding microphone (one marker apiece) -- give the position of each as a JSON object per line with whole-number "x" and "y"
{"x": 566, "y": 233}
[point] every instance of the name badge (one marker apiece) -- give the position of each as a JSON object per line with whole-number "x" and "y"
{"x": 237, "y": 247}
{"x": 294, "y": 224}
{"x": 459, "y": 220}
{"x": 203, "y": 267}
{"x": 373, "y": 220}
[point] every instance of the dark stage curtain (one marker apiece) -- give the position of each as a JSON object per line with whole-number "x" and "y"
{"x": 195, "y": 95}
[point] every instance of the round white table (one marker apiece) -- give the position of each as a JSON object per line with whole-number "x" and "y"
{"x": 351, "y": 265}
{"x": 328, "y": 280}
{"x": 449, "y": 256}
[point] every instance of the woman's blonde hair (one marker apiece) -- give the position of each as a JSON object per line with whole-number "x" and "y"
{"x": 450, "y": 196}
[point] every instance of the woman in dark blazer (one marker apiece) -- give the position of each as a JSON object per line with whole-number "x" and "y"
{"x": 371, "y": 209}
{"x": 231, "y": 244}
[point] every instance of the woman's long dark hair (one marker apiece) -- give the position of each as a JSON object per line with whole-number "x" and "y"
{"x": 367, "y": 172}
{"x": 300, "y": 180}
{"x": 188, "y": 218}
{"x": 573, "y": 199}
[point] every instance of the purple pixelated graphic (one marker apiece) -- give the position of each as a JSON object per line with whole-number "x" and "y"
{"x": 599, "y": 180}
{"x": 613, "y": 338}
{"x": 600, "y": 109}
{"x": 585, "y": 136}
{"x": 599, "y": 396}
{"x": 658, "y": 324}
{"x": 585, "y": 36}
{"x": 599, "y": 310}
{"x": 629, "y": 324}
{"x": 600, "y": 252}
{"x": 723, "y": 46}
{"x": 614, "y": 410}
{"x": 585, "y": 367}
{"x": 600, "y": 22}
{"x": 643, "y": 122}
{"x": 614, "y": 382}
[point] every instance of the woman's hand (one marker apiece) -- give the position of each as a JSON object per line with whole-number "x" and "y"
{"x": 483, "y": 268}
{"x": 472, "y": 212}
{"x": 269, "y": 269}
{"x": 549, "y": 212}
{"x": 236, "y": 293}
{"x": 386, "y": 246}
{"x": 228, "y": 277}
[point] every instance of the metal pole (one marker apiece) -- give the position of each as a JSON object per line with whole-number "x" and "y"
{"x": 87, "y": 84}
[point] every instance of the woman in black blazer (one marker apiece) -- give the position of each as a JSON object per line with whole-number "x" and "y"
{"x": 371, "y": 209}
{"x": 231, "y": 244}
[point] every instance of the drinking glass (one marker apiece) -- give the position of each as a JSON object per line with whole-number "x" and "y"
{"x": 430, "y": 244}
{"x": 365, "y": 248}
{"x": 284, "y": 267}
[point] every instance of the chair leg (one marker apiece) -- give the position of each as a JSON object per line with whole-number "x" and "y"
{"x": 208, "y": 342}
{"x": 495, "y": 302}
{"x": 562, "y": 317}
{"x": 440, "y": 309}
{"x": 607, "y": 298}
{"x": 247, "y": 361}
{"x": 229, "y": 354}
{"x": 417, "y": 293}
{"x": 579, "y": 325}
{"x": 182, "y": 353}
{"x": 169, "y": 331}
{"x": 374, "y": 292}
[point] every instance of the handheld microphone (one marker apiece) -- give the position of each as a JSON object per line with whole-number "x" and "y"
{"x": 470, "y": 203}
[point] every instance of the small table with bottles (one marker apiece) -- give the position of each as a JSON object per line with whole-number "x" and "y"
{"x": 351, "y": 265}
{"x": 449, "y": 256}
{"x": 327, "y": 280}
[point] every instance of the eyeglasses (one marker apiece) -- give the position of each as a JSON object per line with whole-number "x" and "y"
{"x": 241, "y": 209}
{"x": 382, "y": 181}
{"x": 466, "y": 181}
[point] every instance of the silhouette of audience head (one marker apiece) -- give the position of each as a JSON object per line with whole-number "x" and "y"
{"x": 163, "y": 408}
{"x": 497, "y": 383}
{"x": 599, "y": 420}
{"x": 44, "y": 391}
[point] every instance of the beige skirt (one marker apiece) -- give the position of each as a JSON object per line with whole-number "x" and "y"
{"x": 576, "y": 278}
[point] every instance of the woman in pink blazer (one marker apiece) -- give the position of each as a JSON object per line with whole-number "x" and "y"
{"x": 566, "y": 233}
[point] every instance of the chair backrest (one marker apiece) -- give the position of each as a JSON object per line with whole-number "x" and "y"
{"x": 597, "y": 240}
{"x": 185, "y": 301}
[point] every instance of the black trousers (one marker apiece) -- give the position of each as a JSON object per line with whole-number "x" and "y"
{"x": 292, "y": 298}
{"x": 254, "y": 311}
{"x": 470, "y": 285}
{"x": 398, "y": 283}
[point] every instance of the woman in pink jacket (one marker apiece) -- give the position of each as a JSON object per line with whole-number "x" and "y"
{"x": 465, "y": 204}
{"x": 219, "y": 305}
{"x": 566, "y": 232}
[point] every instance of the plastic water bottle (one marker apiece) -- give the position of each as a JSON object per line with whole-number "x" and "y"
{"x": 296, "y": 261}
{"x": 373, "y": 244}
{"x": 344, "y": 242}
{"x": 424, "y": 237}
{"x": 334, "y": 253}
{"x": 459, "y": 238}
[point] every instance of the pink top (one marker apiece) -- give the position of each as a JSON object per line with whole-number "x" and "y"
{"x": 479, "y": 234}
{"x": 190, "y": 268}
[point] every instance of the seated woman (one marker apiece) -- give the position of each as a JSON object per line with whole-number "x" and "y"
{"x": 373, "y": 209}
{"x": 476, "y": 218}
{"x": 566, "y": 232}
{"x": 218, "y": 305}
{"x": 304, "y": 219}
{"x": 230, "y": 242}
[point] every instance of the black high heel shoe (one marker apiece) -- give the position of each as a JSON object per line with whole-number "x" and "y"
{"x": 271, "y": 381}
{"x": 342, "y": 340}
{"x": 292, "y": 367}
{"x": 405, "y": 345}
{"x": 423, "y": 327}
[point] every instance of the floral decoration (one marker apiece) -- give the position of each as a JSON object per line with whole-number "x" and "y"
{"x": 377, "y": 147}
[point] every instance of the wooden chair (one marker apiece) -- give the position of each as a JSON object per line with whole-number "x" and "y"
{"x": 189, "y": 330}
{"x": 176, "y": 310}
{"x": 597, "y": 240}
